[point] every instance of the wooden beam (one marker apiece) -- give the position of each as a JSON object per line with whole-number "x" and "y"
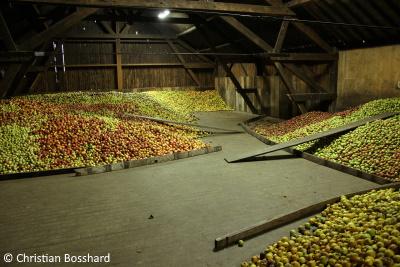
{"x": 304, "y": 77}
{"x": 191, "y": 65}
{"x": 188, "y": 30}
{"x": 289, "y": 86}
{"x": 295, "y": 3}
{"x": 303, "y": 57}
{"x": 125, "y": 29}
{"x": 313, "y": 36}
{"x": 58, "y": 28}
{"x": 119, "y": 36}
{"x": 333, "y": 81}
{"x": 184, "y": 5}
{"x": 118, "y": 60}
{"x": 248, "y": 33}
{"x": 6, "y": 35}
{"x": 124, "y": 18}
{"x": 281, "y": 36}
{"x": 182, "y": 60}
{"x": 107, "y": 27}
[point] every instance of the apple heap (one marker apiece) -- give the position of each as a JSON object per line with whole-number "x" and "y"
{"x": 45, "y": 132}
{"x": 268, "y": 129}
{"x": 18, "y": 149}
{"x": 373, "y": 148}
{"x": 361, "y": 231}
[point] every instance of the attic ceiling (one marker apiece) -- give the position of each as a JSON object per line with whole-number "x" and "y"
{"x": 344, "y": 24}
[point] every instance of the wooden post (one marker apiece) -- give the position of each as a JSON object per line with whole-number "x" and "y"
{"x": 118, "y": 59}
{"x": 333, "y": 81}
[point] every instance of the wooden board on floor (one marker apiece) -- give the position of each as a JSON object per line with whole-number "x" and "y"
{"x": 267, "y": 225}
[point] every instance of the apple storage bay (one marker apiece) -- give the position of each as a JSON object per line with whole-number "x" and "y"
{"x": 200, "y": 133}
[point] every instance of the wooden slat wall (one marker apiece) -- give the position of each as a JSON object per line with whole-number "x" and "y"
{"x": 271, "y": 90}
{"x": 164, "y": 77}
{"x": 104, "y": 78}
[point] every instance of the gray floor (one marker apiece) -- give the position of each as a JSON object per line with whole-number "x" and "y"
{"x": 193, "y": 201}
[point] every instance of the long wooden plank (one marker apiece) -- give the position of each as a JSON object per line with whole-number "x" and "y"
{"x": 58, "y": 28}
{"x": 172, "y": 4}
{"x": 267, "y": 225}
{"x": 185, "y": 124}
{"x": 312, "y": 137}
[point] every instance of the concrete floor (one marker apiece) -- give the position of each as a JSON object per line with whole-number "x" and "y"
{"x": 193, "y": 201}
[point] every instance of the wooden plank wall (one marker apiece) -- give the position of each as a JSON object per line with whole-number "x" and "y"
{"x": 104, "y": 77}
{"x": 367, "y": 74}
{"x": 270, "y": 89}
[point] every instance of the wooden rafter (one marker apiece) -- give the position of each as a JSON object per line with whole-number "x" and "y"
{"x": 172, "y": 4}
{"x": 58, "y": 28}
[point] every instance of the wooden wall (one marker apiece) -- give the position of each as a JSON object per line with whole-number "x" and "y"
{"x": 92, "y": 66}
{"x": 367, "y": 74}
{"x": 271, "y": 96}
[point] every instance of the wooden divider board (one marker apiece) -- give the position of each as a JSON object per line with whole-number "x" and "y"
{"x": 221, "y": 130}
{"x": 267, "y": 225}
{"x": 312, "y": 137}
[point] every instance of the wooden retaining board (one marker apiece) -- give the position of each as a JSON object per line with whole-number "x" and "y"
{"x": 267, "y": 225}
{"x": 320, "y": 161}
{"x": 148, "y": 161}
{"x": 312, "y": 137}
{"x": 23, "y": 175}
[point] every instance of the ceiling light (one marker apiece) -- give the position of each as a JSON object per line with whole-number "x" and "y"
{"x": 163, "y": 14}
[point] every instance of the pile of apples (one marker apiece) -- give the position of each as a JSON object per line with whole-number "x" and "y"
{"x": 373, "y": 148}
{"x": 360, "y": 231}
{"x": 278, "y": 129}
{"x": 54, "y": 131}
